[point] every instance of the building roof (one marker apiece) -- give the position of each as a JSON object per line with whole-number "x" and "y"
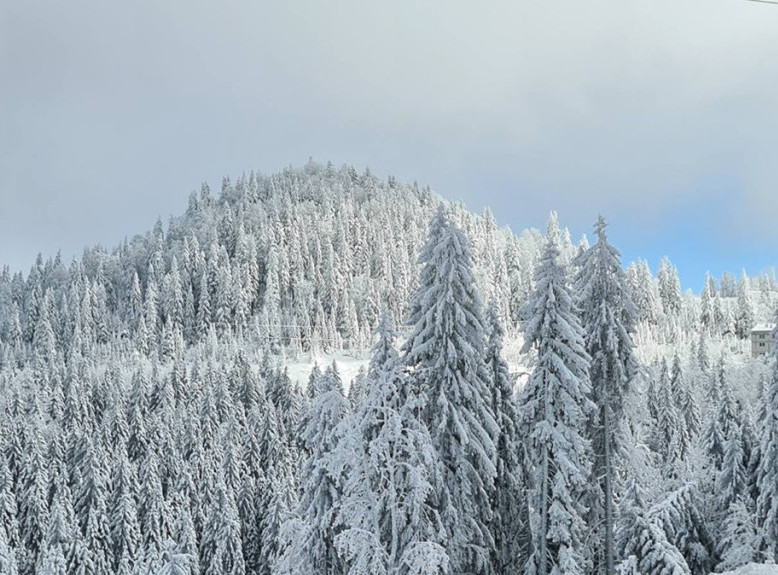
{"x": 763, "y": 327}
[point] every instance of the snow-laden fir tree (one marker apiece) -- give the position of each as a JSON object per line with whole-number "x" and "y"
{"x": 721, "y": 416}
{"x": 667, "y": 417}
{"x": 687, "y": 407}
{"x": 731, "y": 483}
{"x": 767, "y": 475}
{"x": 221, "y": 542}
{"x": 446, "y": 353}
{"x": 61, "y": 537}
{"x": 641, "y": 541}
{"x": 309, "y": 539}
{"x": 739, "y": 542}
{"x": 744, "y": 318}
{"x": 707, "y": 317}
{"x": 32, "y": 494}
{"x": 510, "y": 507}
{"x": 555, "y": 406}
{"x": 679, "y": 513}
{"x": 173, "y": 562}
{"x": 390, "y": 526}
{"x": 608, "y": 317}
{"x": 669, "y": 287}
{"x": 8, "y": 565}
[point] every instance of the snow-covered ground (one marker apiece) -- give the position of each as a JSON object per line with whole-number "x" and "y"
{"x": 350, "y": 362}
{"x": 754, "y": 569}
{"x": 348, "y": 366}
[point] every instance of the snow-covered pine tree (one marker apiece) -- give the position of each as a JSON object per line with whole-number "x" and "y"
{"x": 123, "y": 515}
{"x": 555, "y": 406}
{"x": 669, "y": 287}
{"x": 390, "y": 525}
{"x": 667, "y": 417}
{"x": 312, "y": 549}
{"x": 721, "y": 416}
{"x": 221, "y": 544}
{"x": 744, "y": 317}
{"x": 510, "y": 507}
{"x": 8, "y": 565}
{"x": 767, "y": 474}
{"x": 678, "y": 513}
{"x": 173, "y": 562}
{"x": 707, "y": 318}
{"x": 687, "y": 407}
{"x": 33, "y": 504}
{"x": 731, "y": 483}
{"x": 642, "y": 543}
{"x": 608, "y": 317}
{"x": 739, "y": 542}
{"x": 702, "y": 353}
{"x": 445, "y": 351}
{"x": 61, "y": 534}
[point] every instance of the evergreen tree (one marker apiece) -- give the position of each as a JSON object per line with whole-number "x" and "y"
{"x": 8, "y": 565}
{"x": 446, "y": 353}
{"x": 152, "y": 509}
{"x": 555, "y": 406}
{"x": 686, "y": 404}
{"x": 767, "y": 475}
{"x": 33, "y": 504}
{"x": 510, "y": 509}
{"x": 60, "y": 537}
{"x": 678, "y": 513}
{"x": 669, "y": 287}
{"x": 313, "y": 549}
{"x": 174, "y": 563}
{"x": 608, "y": 319}
{"x": 707, "y": 318}
{"x": 123, "y": 516}
{"x": 668, "y": 419}
{"x": 642, "y": 543}
{"x": 732, "y": 482}
{"x": 221, "y": 546}
{"x": 390, "y": 465}
{"x": 744, "y": 319}
{"x": 739, "y": 542}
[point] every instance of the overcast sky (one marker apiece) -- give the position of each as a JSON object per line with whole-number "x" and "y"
{"x": 661, "y": 114}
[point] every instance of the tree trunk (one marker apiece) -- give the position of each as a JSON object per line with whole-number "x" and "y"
{"x": 609, "y": 546}
{"x": 543, "y": 542}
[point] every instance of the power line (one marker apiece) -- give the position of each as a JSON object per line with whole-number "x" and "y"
{"x": 763, "y": 1}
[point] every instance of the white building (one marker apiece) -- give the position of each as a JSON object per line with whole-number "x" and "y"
{"x": 762, "y": 342}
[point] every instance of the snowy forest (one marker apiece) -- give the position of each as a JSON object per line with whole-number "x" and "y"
{"x": 523, "y": 403}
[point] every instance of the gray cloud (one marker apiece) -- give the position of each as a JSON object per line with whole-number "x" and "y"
{"x": 111, "y": 114}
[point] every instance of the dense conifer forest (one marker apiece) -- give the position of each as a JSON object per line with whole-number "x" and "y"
{"x": 527, "y": 404}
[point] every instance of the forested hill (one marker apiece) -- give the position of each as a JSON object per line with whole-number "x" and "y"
{"x": 304, "y": 259}
{"x": 148, "y": 425}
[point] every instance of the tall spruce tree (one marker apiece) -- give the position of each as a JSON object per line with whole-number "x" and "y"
{"x": 510, "y": 507}
{"x": 390, "y": 524}
{"x": 446, "y": 352}
{"x": 642, "y": 543}
{"x": 608, "y": 317}
{"x": 767, "y": 474}
{"x": 312, "y": 549}
{"x": 555, "y": 407}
